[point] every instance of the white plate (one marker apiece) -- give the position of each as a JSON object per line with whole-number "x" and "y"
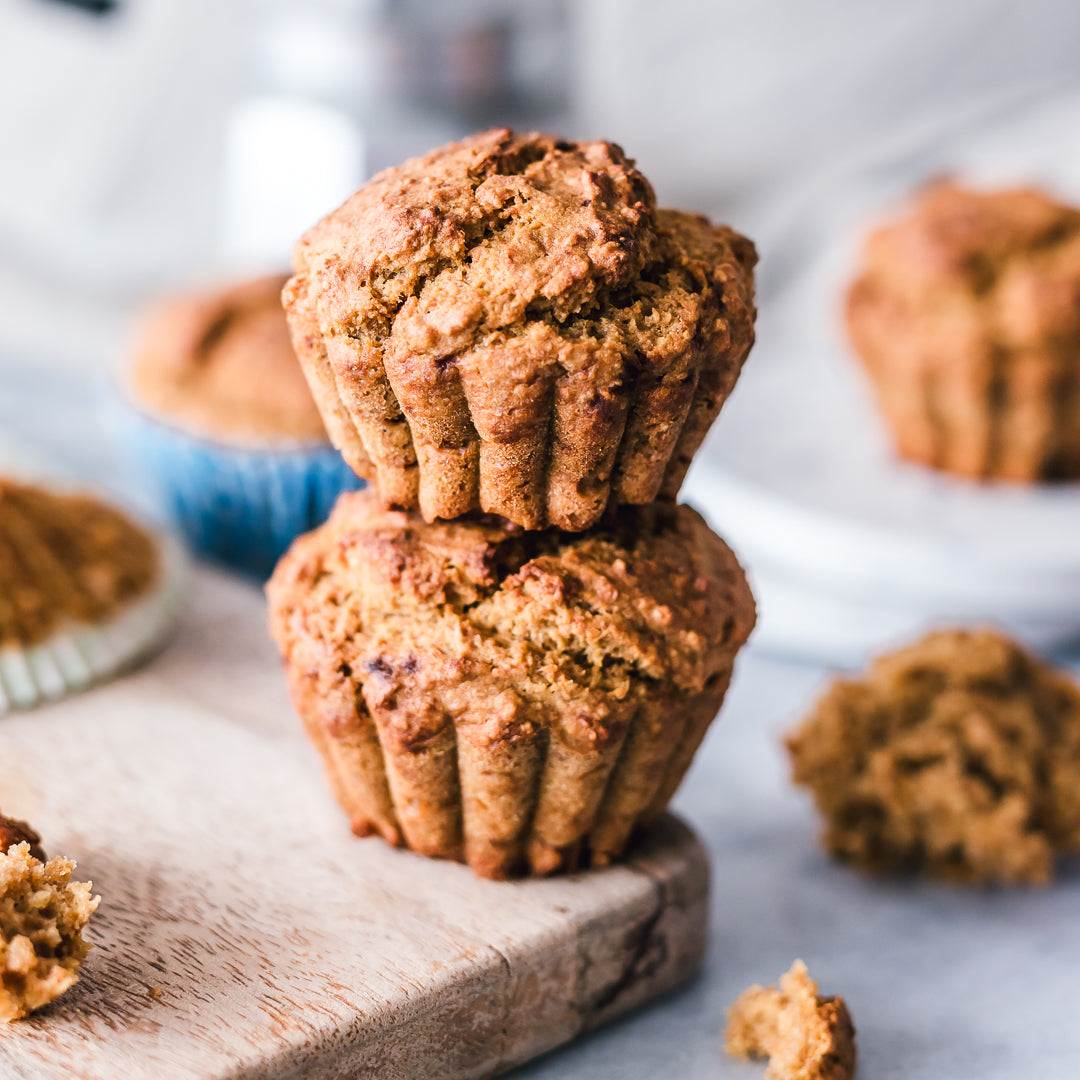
{"x": 849, "y": 548}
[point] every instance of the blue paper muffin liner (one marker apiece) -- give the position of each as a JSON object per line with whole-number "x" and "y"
{"x": 238, "y": 505}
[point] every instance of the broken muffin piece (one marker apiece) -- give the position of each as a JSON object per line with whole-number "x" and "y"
{"x": 958, "y": 756}
{"x": 804, "y": 1036}
{"x": 42, "y": 915}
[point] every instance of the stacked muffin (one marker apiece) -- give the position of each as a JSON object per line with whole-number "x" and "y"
{"x": 509, "y": 648}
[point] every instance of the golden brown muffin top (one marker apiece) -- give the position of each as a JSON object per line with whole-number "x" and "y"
{"x": 958, "y": 755}
{"x": 436, "y": 620}
{"x": 505, "y": 235}
{"x": 65, "y": 557}
{"x": 221, "y": 364}
{"x": 805, "y": 1036}
{"x": 1014, "y": 251}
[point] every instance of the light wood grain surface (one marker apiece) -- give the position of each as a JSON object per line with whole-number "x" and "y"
{"x": 281, "y": 945}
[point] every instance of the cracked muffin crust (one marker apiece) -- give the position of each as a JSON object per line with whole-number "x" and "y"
{"x": 66, "y": 557}
{"x": 510, "y": 324}
{"x": 221, "y": 364}
{"x": 958, "y": 755}
{"x": 966, "y": 315}
{"x": 42, "y": 916}
{"x": 804, "y": 1036}
{"x": 521, "y": 701}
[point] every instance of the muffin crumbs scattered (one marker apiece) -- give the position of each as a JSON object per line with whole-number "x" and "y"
{"x": 804, "y": 1036}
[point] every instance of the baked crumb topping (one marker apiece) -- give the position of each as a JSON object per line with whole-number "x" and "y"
{"x": 65, "y": 556}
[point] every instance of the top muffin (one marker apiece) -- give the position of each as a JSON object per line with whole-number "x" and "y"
{"x": 966, "y": 314}
{"x": 510, "y": 324}
{"x": 221, "y": 364}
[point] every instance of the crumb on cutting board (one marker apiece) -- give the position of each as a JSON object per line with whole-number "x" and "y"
{"x": 804, "y": 1036}
{"x": 42, "y": 916}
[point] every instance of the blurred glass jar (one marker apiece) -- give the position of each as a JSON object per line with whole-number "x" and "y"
{"x": 336, "y": 90}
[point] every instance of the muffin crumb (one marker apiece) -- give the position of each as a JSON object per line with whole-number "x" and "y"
{"x": 42, "y": 916}
{"x": 804, "y": 1036}
{"x": 958, "y": 756}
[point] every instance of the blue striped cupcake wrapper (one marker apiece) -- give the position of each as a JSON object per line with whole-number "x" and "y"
{"x": 240, "y": 506}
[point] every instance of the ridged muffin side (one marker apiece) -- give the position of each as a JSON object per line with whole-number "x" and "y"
{"x": 966, "y": 315}
{"x": 521, "y": 701}
{"x": 509, "y": 324}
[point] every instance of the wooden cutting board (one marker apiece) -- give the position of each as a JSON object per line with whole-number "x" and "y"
{"x": 244, "y": 932}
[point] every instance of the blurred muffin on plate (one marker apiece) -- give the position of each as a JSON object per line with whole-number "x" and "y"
{"x": 966, "y": 316}
{"x": 510, "y": 324}
{"x": 224, "y": 419}
{"x": 520, "y": 701}
{"x": 84, "y": 592}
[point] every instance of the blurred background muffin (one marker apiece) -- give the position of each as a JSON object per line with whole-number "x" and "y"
{"x": 221, "y": 365}
{"x": 224, "y": 420}
{"x": 84, "y": 591}
{"x": 966, "y": 315}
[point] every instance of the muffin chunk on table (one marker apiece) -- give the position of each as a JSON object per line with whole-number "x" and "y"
{"x": 522, "y": 701}
{"x": 42, "y": 916}
{"x": 966, "y": 315}
{"x": 510, "y": 324}
{"x": 804, "y": 1035}
{"x": 958, "y": 756}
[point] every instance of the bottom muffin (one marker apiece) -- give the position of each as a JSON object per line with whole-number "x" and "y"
{"x": 520, "y": 701}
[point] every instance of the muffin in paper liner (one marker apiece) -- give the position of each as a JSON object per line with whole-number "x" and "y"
{"x": 241, "y": 506}
{"x": 216, "y": 409}
{"x": 966, "y": 316}
{"x": 518, "y": 700}
{"x": 510, "y": 324}
{"x": 52, "y": 641}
